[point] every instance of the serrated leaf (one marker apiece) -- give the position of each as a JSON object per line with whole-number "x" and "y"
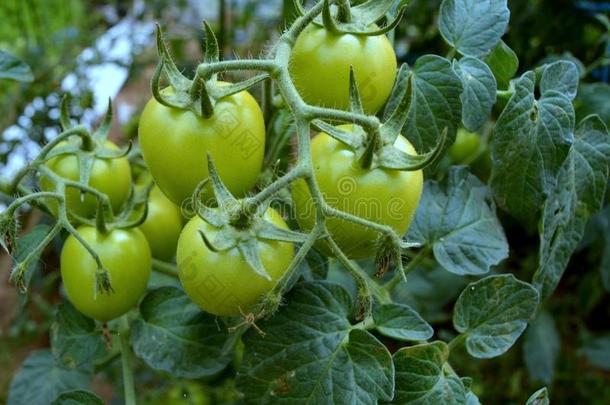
{"x": 562, "y": 76}
{"x": 75, "y": 342}
{"x": 78, "y": 397}
{"x": 540, "y": 397}
{"x": 456, "y": 218}
{"x": 473, "y": 27}
{"x": 430, "y": 292}
{"x": 312, "y": 354}
{"x": 479, "y": 93}
{"x": 420, "y": 378}
{"x": 579, "y": 193}
{"x": 541, "y": 346}
{"x": 435, "y": 103}
{"x": 504, "y": 64}
{"x": 532, "y": 139}
{"x": 493, "y": 312}
{"x": 13, "y": 68}
{"x": 175, "y": 336}
{"x": 401, "y": 322}
{"x": 597, "y": 352}
{"x": 50, "y": 380}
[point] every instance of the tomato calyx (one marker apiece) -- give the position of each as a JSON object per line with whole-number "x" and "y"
{"x": 240, "y": 225}
{"x": 341, "y": 18}
{"x": 374, "y": 148}
{"x": 200, "y": 94}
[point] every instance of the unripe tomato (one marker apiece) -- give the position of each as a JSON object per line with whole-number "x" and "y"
{"x": 109, "y": 176}
{"x": 222, "y": 282}
{"x": 175, "y": 144}
{"x": 162, "y": 225}
{"x": 466, "y": 147}
{"x": 320, "y": 65}
{"x": 380, "y": 195}
{"x": 125, "y": 255}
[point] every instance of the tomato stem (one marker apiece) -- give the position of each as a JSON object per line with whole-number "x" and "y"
{"x": 128, "y": 381}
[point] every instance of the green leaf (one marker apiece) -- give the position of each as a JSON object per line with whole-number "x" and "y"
{"x": 75, "y": 342}
{"x": 562, "y": 76}
{"x": 579, "y": 193}
{"x": 540, "y": 397}
{"x": 420, "y": 378}
{"x": 401, "y": 322}
{"x": 473, "y": 27}
{"x": 457, "y": 218}
{"x": 593, "y": 99}
{"x": 312, "y": 354}
{"x": 25, "y": 244}
{"x": 597, "y": 352}
{"x": 78, "y": 397}
{"x": 430, "y": 292}
{"x": 532, "y": 139}
{"x": 493, "y": 312}
{"x": 504, "y": 64}
{"x": 435, "y": 103}
{"x": 479, "y": 93}
{"x": 14, "y": 69}
{"x": 175, "y": 336}
{"x": 541, "y": 346}
{"x": 41, "y": 379}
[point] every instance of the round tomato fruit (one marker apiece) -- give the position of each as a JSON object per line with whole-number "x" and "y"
{"x": 320, "y": 65}
{"x": 162, "y": 225}
{"x": 466, "y": 147}
{"x": 109, "y": 176}
{"x": 124, "y": 254}
{"x": 175, "y": 144}
{"x": 380, "y": 195}
{"x": 222, "y": 283}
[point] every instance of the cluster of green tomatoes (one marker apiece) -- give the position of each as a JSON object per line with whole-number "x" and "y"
{"x": 175, "y": 144}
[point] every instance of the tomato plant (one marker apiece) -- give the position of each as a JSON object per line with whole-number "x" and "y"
{"x": 162, "y": 225}
{"x": 361, "y": 231}
{"x": 385, "y": 196}
{"x": 175, "y": 144}
{"x": 126, "y": 256}
{"x": 320, "y": 65}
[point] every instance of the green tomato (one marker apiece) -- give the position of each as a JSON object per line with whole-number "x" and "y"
{"x": 466, "y": 147}
{"x": 187, "y": 394}
{"x": 109, "y": 176}
{"x": 222, "y": 283}
{"x": 320, "y": 65}
{"x": 125, "y": 255}
{"x": 162, "y": 225}
{"x": 384, "y": 196}
{"x": 175, "y": 144}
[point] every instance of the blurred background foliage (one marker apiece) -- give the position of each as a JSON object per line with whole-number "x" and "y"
{"x": 63, "y": 42}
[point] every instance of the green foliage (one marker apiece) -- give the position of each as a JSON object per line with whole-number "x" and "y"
{"x": 507, "y": 280}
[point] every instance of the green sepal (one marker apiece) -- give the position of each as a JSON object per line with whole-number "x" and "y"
{"x": 219, "y": 92}
{"x": 211, "y": 52}
{"x": 398, "y": 116}
{"x": 225, "y": 199}
{"x": 250, "y": 252}
{"x": 361, "y": 17}
{"x": 354, "y": 94}
{"x": 392, "y": 158}
{"x": 352, "y": 139}
{"x": 102, "y": 132}
{"x": 266, "y": 230}
{"x": 64, "y": 115}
